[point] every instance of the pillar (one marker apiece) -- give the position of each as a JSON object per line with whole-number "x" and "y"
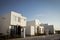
{"x": 23, "y": 32}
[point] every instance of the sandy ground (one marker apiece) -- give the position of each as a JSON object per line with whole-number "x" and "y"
{"x": 47, "y": 37}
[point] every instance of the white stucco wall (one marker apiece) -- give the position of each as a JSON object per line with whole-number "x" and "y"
{"x": 35, "y": 22}
{"x": 15, "y": 22}
{"x": 5, "y": 22}
{"x": 30, "y": 30}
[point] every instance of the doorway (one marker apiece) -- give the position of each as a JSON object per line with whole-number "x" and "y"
{"x": 15, "y": 30}
{"x": 19, "y": 30}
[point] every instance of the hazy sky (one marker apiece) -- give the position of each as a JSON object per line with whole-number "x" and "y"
{"x": 47, "y": 11}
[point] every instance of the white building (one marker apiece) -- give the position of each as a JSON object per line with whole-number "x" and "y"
{"x": 30, "y": 30}
{"x": 36, "y": 23}
{"x": 12, "y": 22}
{"x": 48, "y": 29}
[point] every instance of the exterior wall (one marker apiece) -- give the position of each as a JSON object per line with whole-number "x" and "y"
{"x": 5, "y": 22}
{"x": 51, "y": 29}
{"x": 34, "y": 23}
{"x": 14, "y": 19}
{"x": 29, "y": 23}
{"x": 37, "y": 22}
{"x": 30, "y": 30}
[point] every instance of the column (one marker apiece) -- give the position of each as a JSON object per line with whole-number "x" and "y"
{"x": 23, "y": 32}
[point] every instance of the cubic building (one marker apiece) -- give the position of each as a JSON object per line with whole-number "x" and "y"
{"x": 12, "y": 23}
{"x": 36, "y": 23}
{"x": 48, "y": 29}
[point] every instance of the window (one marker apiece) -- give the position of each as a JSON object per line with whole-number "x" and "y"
{"x": 14, "y": 18}
{"x": 24, "y": 19}
{"x": 18, "y": 19}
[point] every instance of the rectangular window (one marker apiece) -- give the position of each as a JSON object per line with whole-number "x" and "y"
{"x": 14, "y": 18}
{"x": 24, "y": 19}
{"x": 18, "y": 19}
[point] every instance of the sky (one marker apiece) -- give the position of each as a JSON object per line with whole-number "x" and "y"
{"x": 47, "y": 11}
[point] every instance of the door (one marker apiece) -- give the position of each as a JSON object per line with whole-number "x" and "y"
{"x": 19, "y": 30}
